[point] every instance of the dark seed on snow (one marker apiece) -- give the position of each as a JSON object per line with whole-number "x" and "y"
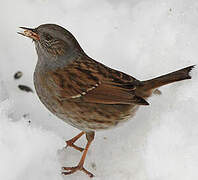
{"x": 25, "y": 88}
{"x": 18, "y": 75}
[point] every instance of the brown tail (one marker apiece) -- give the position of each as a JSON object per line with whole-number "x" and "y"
{"x": 179, "y": 75}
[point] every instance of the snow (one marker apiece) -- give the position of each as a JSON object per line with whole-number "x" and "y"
{"x": 142, "y": 38}
{"x": 24, "y": 150}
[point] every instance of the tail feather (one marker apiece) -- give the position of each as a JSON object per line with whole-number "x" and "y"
{"x": 179, "y": 75}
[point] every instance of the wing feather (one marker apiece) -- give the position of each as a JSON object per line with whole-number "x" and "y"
{"x": 90, "y": 82}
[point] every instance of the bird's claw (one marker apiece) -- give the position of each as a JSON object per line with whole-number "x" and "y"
{"x": 71, "y": 170}
{"x": 71, "y": 144}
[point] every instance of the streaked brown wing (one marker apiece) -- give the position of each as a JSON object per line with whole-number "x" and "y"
{"x": 107, "y": 94}
{"x": 95, "y": 83}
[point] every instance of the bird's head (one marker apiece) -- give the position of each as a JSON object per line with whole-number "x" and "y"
{"x": 52, "y": 40}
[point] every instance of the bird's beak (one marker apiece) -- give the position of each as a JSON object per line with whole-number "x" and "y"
{"x": 29, "y": 32}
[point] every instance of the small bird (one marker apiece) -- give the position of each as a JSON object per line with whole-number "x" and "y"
{"x": 83, "y": 92}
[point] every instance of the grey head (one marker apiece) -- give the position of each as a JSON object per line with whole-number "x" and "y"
{"x": 54, "y": 44}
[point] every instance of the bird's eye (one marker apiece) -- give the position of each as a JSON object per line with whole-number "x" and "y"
{"x": 48, "y": 37}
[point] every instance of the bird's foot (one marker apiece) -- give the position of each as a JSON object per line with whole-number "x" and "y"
{"x": 79, "y": 167}
{"x": 71, "y": 170}
{"x": 71, "y": 144}
{"x": 73, "y": 140}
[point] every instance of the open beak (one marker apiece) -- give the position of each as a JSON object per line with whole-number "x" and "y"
{"x": 29, "y": 32}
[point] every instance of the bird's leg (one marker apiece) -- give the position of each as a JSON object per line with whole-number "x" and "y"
{"x": 73, "y": 140}
{"x": 79, "y": 167}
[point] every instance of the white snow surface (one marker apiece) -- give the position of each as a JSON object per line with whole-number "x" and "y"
{"x": 140, "y": 37}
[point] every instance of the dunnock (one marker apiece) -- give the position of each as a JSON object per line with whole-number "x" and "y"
{"x": 83, "y": 92}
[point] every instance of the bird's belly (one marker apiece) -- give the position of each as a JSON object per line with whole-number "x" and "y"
{"x": 82, "y": 115}
{"x": 90, "y": 116}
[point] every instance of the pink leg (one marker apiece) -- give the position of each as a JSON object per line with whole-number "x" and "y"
{"x": 73, "y": 140}
{"x": 79, "y": 167}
